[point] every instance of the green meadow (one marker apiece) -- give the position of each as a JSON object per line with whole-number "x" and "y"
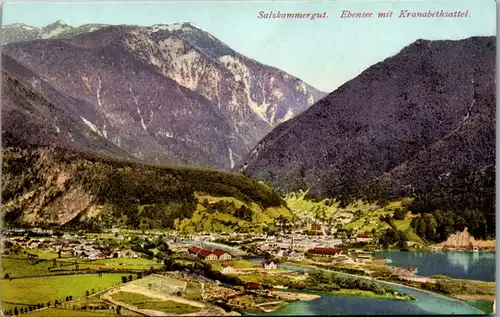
{"x": 26, "y": 291}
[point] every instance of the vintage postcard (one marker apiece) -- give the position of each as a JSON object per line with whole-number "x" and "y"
{"x": 202, "y": 158}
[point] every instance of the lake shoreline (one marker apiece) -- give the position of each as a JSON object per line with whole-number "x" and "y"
{"x": 464, "y": 298}
{"x": 349, "y": 292}
{"x": 467, "y": 266}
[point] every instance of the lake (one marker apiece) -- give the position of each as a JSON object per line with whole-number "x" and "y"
{"x": 426, "y": 303}
{"x": 462, "y": 265}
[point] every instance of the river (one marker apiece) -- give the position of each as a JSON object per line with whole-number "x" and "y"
{"x": 425, "y": 304}
{"x": 213, "y": 245}
{"x": 478, "y": 266}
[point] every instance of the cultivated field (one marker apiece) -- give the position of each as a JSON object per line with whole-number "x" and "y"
{"x": 161, "y": 284}
{"x": 144, "y": 302}
{"x": 31, "y": 291}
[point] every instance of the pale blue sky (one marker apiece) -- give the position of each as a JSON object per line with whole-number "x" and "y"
{"x": 324, "y": 53}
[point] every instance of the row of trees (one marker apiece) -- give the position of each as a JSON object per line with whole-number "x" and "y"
{"x": 22, "y": 310}
{"x": 124, "y": 279}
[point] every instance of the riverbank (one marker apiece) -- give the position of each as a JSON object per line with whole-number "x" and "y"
{"x": 324, "y": 283}
{"x": 296, "y": 295}
{"x": 370, "y": 294}
{"x": 483, "y": 301}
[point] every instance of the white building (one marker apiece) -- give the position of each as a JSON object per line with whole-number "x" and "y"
{"x": 227, "y": 268}
{"x": 269, "y": 265}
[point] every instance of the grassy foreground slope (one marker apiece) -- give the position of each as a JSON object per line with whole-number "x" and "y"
{"x": 52, "y": 186}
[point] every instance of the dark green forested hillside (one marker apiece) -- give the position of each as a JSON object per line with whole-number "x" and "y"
{"x": 53, "y": 186}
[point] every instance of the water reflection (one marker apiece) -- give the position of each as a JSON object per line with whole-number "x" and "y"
{"x": 462, "y": 260}
{"x": 463, "y": 265}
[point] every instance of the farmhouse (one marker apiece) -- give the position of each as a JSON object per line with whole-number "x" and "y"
{"x": 327, "y": 252}
{"x": 364, "y": 237}
{"x": 222, "y": 255}
{"x": 227, "y": 268}
{"x": 252, "y": 286}
{"x": 315, "y": 227}
{"x": 269, "y": 265}
{"x": 210, "y": 254}
{"x": 207, "y": 255}
{"x": 194, "y": 250}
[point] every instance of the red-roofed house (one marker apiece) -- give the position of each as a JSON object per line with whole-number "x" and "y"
{"x": 227, "y": 268}
{"x": 316, "y": 227}
{"x": 209, "y": 254}
{"x": 194, "y": 250}
{"x": 329, "y": 252}
{"x": 221, "y": 255}
{"x": 251, "y": 286}
{"x": 364, "y": 237}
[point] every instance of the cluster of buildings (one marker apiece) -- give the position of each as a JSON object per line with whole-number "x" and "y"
{"x": 210, "y": 254}
{"x": 296, "y": 246}
{"x": 90, "y": 249}
{"x": 21, "y": 231}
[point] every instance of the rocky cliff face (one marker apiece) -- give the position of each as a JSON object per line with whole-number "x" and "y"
{"x": 465, "y": 240}
{"x": 165, "y": 93}
{"x": 419, "y": 123}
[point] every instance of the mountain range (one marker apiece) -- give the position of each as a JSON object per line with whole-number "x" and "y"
{"x": 160, "y": 94}
{"x": 418, "y": 124}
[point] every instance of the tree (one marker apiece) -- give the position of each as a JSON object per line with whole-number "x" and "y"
{"x": 399, "y": 214}
{"x": 130, "y": 278}
{"x": 163, "y": 247}
{"x": 168, "y": 263}
{"x": 118, "y": 310}
{"x": 48, "y": 304}
{"x": 87, "y": 293}
{"x": 70, "y": 297}
{"x": 124, "y": 279}
{"x": 6, "y": 276}
{"x": 139, "y": 275}
{"x": 16, "y": 312}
